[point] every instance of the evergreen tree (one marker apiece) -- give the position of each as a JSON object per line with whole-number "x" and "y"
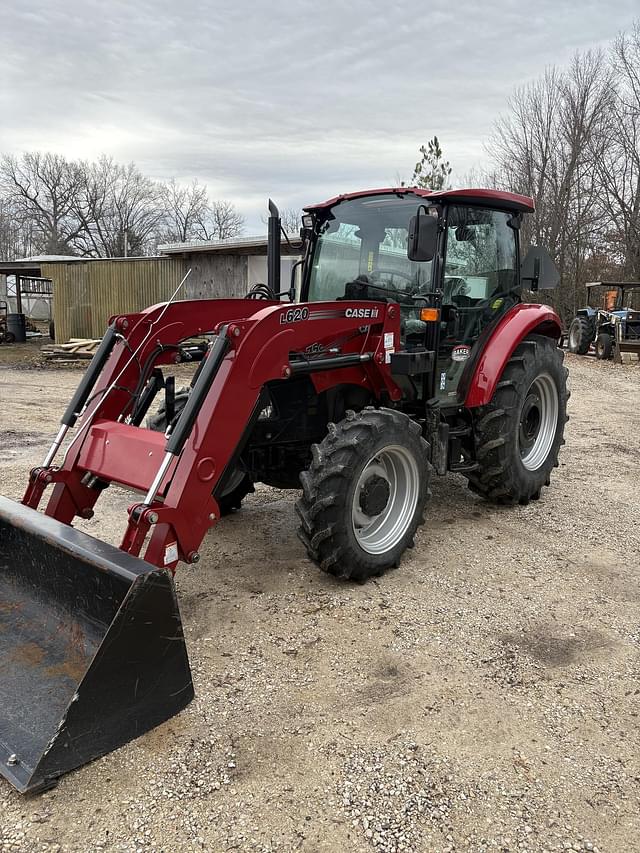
{"x": 431, "y": 172}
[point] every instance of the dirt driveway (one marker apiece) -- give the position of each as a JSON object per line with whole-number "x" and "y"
{"x": 484, "y": 696}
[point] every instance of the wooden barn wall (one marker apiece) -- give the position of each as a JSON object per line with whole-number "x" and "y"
{"x": 216, "y": 276}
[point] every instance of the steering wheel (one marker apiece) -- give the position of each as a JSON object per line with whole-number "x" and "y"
{"x": 404, "y": 275}
{"x": 481, "y": 306}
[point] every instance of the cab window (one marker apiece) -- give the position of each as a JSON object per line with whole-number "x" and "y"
{"x": 481, "y": 258}
{"x": 480, "y": 283}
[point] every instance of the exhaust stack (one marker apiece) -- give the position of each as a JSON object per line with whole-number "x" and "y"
{"x": 273, "y": 250}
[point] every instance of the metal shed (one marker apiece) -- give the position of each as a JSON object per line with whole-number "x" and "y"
{"x": 230, "y": 267}
{"x": 87, "y": 291}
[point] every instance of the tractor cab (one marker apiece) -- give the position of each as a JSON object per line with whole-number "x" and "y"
{"x": 451, "y": 285}
{"x": 619, "y": 297}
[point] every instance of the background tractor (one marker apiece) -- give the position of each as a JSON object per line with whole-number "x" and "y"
{"x": 400, "y": 348}
{"x": 610, "y": 320}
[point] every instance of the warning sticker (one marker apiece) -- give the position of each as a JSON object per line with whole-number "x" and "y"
{"x": 388, "y": 340}
{"x": 171, "y": 554}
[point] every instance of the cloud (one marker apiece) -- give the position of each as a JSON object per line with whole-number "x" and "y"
{"x": 299, "y": 101}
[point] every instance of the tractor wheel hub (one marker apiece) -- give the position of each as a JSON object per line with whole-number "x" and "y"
{"x": 374, "y": 497}
{"x": 530, "y": 420}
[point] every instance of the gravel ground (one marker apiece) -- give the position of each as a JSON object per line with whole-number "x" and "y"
{"x": 484, "y": 696}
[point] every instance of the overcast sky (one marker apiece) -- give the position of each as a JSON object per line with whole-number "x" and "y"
{"x": 295, "y": 100}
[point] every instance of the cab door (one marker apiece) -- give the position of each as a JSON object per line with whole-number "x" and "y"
{"x": 479, "y": 283}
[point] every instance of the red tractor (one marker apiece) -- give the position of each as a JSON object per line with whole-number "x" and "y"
{"x": 408, "y": 351}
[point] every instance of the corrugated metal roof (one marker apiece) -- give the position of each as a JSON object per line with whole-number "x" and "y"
{"x": 32, "y": 264}
{"x": 48, "y": 259}
{"x": 235, "y": 243}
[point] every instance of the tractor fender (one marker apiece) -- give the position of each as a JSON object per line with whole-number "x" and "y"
{"x": 478, "y": 383}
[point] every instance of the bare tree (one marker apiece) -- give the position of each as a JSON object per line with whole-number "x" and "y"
{"x": 185, "y": 208}
{"x": 291, "y": 220}
{"x": 137, "y": 212}
{"x": 119, "y": 208}
{"x": 16, "y": 234}
{"x": 546, "y": 146}
{"x": 42, "y": 188}
{"x": 221, "y": 222}
{"x": 618, "y": 162}
{"x": 94, "y": 208}
{"x": 101, "y": 209}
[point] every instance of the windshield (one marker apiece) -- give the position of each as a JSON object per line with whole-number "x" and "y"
{"x": 364, "y": 243}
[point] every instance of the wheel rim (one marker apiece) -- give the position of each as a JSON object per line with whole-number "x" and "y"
{"x": 538, "y": 422}
{"x": 573, "y": 336}
{"x": 385, "y": 499}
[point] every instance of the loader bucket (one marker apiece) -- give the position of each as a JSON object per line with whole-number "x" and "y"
{"x": 92, "y": 652}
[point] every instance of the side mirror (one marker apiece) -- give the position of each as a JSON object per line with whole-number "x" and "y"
{"x": 423, "y": 237}
{"x": 538, "y": 271}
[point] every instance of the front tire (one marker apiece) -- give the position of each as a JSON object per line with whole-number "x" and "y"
{"x": 518, "y": 435}
{"x": 604, "y": 346}
{"x": 363, "y": 497}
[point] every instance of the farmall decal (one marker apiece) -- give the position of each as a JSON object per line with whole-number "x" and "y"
{"x": 362, "y": 313}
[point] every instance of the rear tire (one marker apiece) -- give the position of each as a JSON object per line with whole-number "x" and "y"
{"x": 581, "y": 334}
{"x": 604, "y": 346}
{"x": 240, "y": 484}
{"x": 518, "y": 435}
{"x": 363, "y": 497}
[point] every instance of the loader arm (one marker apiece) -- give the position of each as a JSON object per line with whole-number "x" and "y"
{"x": 254, "y": 343}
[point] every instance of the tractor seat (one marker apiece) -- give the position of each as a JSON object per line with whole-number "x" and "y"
{"x": 359, "y": 289}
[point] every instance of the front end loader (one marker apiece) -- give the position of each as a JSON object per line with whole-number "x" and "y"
{"x": 400, "y": 348}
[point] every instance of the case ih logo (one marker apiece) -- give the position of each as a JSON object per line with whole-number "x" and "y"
{"x": 362, "y": 313}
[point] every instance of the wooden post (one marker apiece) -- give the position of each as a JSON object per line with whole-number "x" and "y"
{"x": 18, "y": 294}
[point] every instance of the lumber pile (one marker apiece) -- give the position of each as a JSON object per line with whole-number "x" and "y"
{"x": 76, "y": 349}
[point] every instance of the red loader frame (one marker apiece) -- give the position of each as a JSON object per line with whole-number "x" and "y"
{"x": 254, "y": 342}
